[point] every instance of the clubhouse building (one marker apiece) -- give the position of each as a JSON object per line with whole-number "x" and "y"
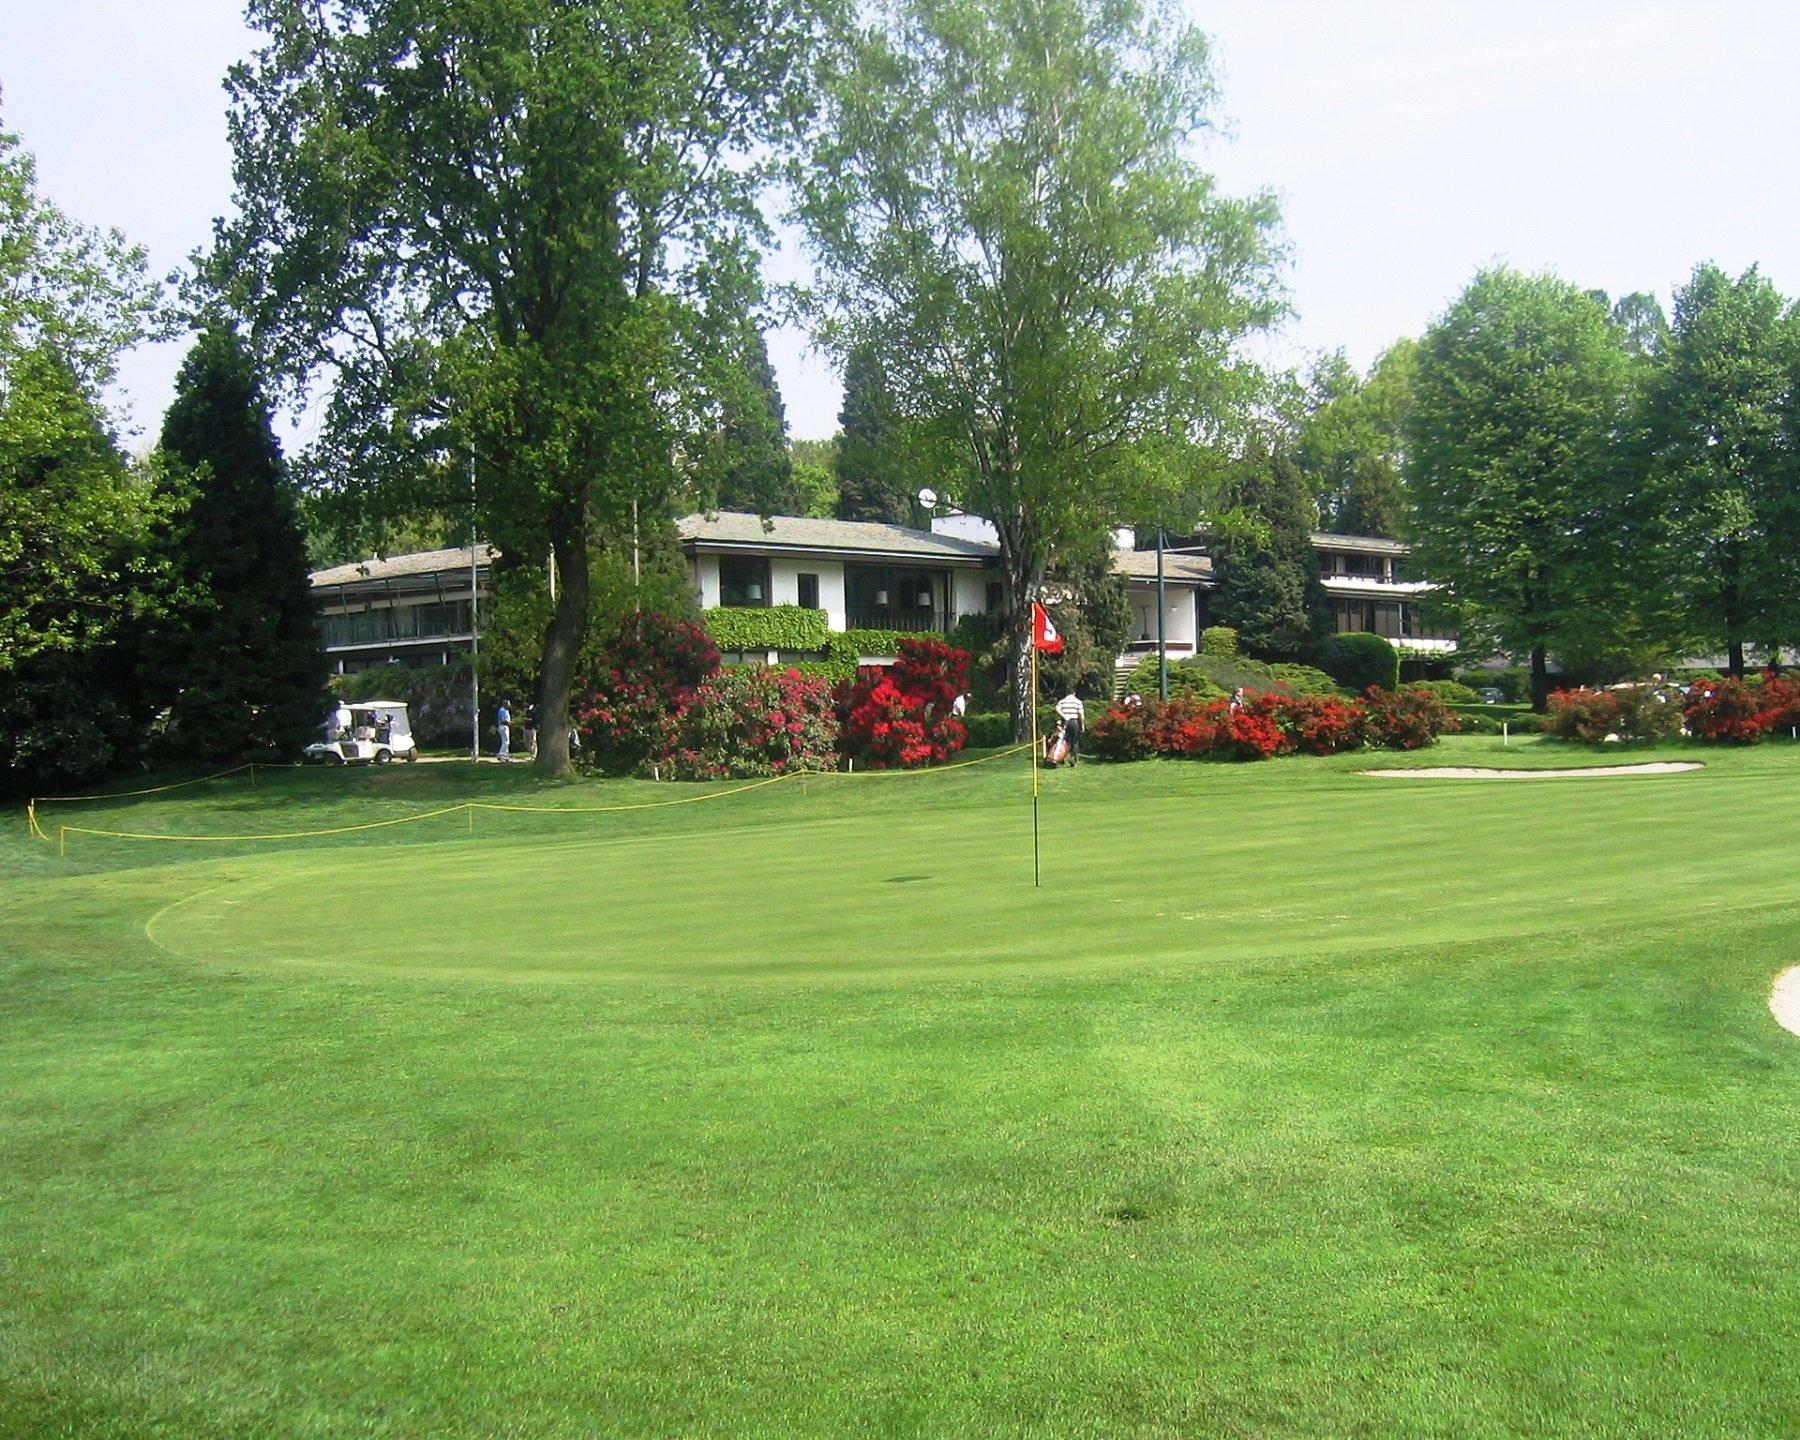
{"x": 421, "y": 609}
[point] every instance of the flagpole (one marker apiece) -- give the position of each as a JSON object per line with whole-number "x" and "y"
{"x": 1036, "y": 882}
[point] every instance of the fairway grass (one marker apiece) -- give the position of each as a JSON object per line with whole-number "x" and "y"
{"x": 1294, "y": 1103}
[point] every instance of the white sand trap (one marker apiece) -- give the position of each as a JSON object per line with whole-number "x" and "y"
{"x": 1784, "y": 1000}
{"x": 1469, "y": 772}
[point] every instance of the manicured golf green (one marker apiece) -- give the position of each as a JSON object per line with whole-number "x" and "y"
{"x": 1294, "y": 1103}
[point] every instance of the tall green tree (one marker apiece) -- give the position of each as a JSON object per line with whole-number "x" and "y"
{"x": 1723, "y": 469}
{"x": 499, "y": 235}
{"x": 1004, "y": 207}
{"x": 1351, "y": 444}
{"x": 815, "y": 476}
{"x": 241, "y": 663}
{"x": 1519, "y": 406}
{"x": 872, "y": 470}
{"x": 1266, "y": 569}
{"x": 77, "y": 572}
{"x": 745, "y": 461}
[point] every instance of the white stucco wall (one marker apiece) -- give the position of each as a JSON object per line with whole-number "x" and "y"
{"x": 1182, "y": 628}
{"x": 706, "y": 579}
{"x": 969, "y": 591}
{"x": 784, "y": 581}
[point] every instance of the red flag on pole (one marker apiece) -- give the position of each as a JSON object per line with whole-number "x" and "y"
{"x": 1044, "y": 634}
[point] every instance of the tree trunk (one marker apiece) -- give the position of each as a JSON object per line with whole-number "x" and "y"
{"x": 563, "y": 638}
{"x": 1540, "y": 679}
{"x": 1023, "y": 581}
{"x": 1734, "y": 659}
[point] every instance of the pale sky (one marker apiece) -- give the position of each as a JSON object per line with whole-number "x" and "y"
{"x": 1617, "y": 142}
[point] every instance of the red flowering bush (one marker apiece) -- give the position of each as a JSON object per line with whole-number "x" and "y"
{"x": 1248, "y": 733}
{"x": 1729, "y": 712}
{"x": 1183, "y": 727}
{"x": 629, "y": 703}
{"x": 752, "y": 722}
{"x": 1781, "y": 701}
{"x": 1120, "y": 732}
{"x": 899, "y": 716}
{"x": 1405, "y": 719}
{"x": 1582, "y": 714}
{"x": 1322, "y": 724}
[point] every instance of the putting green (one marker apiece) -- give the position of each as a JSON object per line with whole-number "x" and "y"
{"x": 1222, "y": 870}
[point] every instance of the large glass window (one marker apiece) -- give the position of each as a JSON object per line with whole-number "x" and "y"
{"x": 895, "y": 597}
{"x": 743, "y": 580}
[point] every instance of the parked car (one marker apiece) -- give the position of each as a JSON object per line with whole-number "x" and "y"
{"x": 1491, "y": 694}
{"x": 370, "y": 732}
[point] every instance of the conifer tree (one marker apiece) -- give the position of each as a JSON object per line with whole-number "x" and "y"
{"x": 752, "y": 468}
{"x": 872, "y": 482}
{"x": 241, "y": 663}
{"x": 1268, "y": 578}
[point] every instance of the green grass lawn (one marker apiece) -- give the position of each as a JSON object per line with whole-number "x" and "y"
{"x": 1295, "y": 1103}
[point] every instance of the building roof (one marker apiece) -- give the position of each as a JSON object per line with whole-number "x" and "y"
{"x": 736, "y": 530}
{"x": 394, "y": 567}
{"x": 1179, "y": 566}
{"x": 1371, "y": 544}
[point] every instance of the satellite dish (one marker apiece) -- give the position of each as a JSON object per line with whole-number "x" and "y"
{"x": 928, "y": 497}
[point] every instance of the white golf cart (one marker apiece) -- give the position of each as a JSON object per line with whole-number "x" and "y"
{"x": 370, "y": 732}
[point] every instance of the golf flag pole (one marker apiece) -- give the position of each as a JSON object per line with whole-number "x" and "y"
{"x": 1045, "y": 637}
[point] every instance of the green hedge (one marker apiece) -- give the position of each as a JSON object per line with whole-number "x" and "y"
{"x": 1451, "y": 692}
{"x": 989, "y": 731}
{"x": 1359, "y": 660}
{"x": 885, "y": 642}
{"x": 767, "y": 627}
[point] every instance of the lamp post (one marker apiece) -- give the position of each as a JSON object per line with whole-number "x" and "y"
{"x": 1162, "y": 622}
{"x": 474, "y": 627}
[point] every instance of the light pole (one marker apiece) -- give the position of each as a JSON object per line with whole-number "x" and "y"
{"x": 1162, "y": 622}
{"x": 474, "y": 628}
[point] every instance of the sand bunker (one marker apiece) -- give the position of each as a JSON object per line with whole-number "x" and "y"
{"x": 1467, "y": 772}
{"x": 1784, "y": 1000}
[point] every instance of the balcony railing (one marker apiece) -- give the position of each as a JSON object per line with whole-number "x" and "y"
{"x": 912, "y": 621}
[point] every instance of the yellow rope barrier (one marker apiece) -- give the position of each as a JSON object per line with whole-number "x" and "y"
{"x": 468, "y": 806}
{"x": 152, "y": 790}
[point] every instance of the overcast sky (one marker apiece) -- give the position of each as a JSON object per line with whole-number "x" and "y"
{"x": 1617, "y": 142}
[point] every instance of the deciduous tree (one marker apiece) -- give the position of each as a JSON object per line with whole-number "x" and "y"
{"x": 1005, "y": 208}
{"x": 1519, "y": 406}
{"x": 492, "y": 231}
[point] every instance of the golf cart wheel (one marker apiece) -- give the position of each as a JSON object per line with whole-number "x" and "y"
{"x": 383, "y": 756}
{"x": 412, "y": 756}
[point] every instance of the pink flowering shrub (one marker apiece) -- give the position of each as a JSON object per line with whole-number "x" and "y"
{"x": 629, "y": 704}
{"x": 751, "y": 722}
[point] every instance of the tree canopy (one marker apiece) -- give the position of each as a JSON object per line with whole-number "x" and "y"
{"x": 502, "y": 235}
{"x": 1004, "y": 207}
{"x": 1512, "y": 446}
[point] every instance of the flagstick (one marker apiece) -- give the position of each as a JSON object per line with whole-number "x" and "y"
{"x": 1035, "y": 881}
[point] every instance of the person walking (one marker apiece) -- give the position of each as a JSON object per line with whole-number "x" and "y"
{"x": 503, "y": 723}
{"x": 1074, "y": 719}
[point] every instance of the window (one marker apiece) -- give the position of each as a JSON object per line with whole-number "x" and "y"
{"x": 809, "y": 592}
{"x": 996, "y": 597}
{"x": 743, "y": 580}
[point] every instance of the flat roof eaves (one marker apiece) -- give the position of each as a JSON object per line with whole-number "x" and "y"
{"x": 731, "y": 530}
{"x": 395, "y": 567}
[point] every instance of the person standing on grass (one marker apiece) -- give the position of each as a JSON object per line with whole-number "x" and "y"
{"x": 531, "y": 729}
{"x": 1074, "y": 719}
{"x": 503, "y": 723}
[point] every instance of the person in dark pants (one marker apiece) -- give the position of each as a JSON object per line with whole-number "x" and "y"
{"x": 1074, "y": 718}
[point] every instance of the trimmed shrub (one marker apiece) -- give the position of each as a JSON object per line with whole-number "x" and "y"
{"x": 1588, "y": 715}
{"x": 767, "y": 627}
{"x": 885, "y": 642}
{"x": 1322, "y": 724}
{"x": 1121, "y": 732}
{"x": 754, "y": 721}
{"x": 1183, "y": 727}
{"x": 899, "y": 716}
{"x": 1219, "y": 641}
{"x": 1305, "y": 680}
{"x": 644, "y": 677}
{"x": 1360, "y": 660}
{"x": 1729, "y": 712}
{"x": 1406, "y": 719}
{"x": 1249, "y": 733}
{"x": 989, "y": 731}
